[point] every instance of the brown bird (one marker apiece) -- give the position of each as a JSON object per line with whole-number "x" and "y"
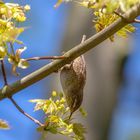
{"x": 73, "y": 78}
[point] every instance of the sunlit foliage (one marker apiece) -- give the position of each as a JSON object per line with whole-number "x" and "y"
{"x": 11, "y": 14}
{"x": 57, "y": 117}
{"x": 104, "y": 12}
{"x": 3, "y": 124}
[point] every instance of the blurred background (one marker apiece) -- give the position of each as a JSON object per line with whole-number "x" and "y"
{"x": 112, "y": 92}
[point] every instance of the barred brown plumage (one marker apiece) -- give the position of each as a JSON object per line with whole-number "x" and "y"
{"x": 73, "y": 78}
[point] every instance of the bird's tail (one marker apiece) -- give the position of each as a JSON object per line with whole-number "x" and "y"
{"x": 71, "y": 113}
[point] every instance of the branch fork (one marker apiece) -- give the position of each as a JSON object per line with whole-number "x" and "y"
{"x": 78, "y": 50}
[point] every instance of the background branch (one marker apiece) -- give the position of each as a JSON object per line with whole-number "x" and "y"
{"x": 13, "y": 101}
{"x": 3, "y": 73}
{"x": 45, "y": 58}
{"x": 24, "y": 113}
{"x": 80, "y": 49}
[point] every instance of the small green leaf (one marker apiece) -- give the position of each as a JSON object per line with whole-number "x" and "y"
{"x": 2, "y": 52}
{"x": 36, "y": 100}
{"x": 79, "y": 130}
{"x": 52, "y": 129}
{"x": 4, "y": 124}
{"x": 58, "y": 3}
{"x": 54, "y": 119}
{"x": 40, "y": 103}
{"x": 54, "y": 93}
{"x": 23, "y": 64}
{"x": 83, "y": 112}
{"x": 40, "y": 129}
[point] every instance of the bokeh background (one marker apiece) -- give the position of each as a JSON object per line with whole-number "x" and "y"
{"x": 112, "y": 92}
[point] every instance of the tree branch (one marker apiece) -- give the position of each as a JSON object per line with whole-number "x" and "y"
{"x": 13, "y": 101}
{"x": 24, "y": 113}
{"x": 80, "y": 49}
{"x": 4, "y": 73}
{"x": 137, "y": 20}
{"x": 44, "y": 58}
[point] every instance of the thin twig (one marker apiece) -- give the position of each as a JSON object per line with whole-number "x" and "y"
{"x": 13, "y": 101}
{"x": 3, "y": 73}
{"x": 119, "y": 14}
{"x": 24, "y": 113}
{"x": 45, "y": 58}
{"x": 12, "y": 48}
{"x": 137, "y": 20}
{"x": 83, "y": 39}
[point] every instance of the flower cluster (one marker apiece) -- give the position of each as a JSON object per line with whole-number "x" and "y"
{"x": 104, "y": 19}
{"x": 57, "y": 117}
{"x": 10, "y": 15}
{"x": 105, "y": 13}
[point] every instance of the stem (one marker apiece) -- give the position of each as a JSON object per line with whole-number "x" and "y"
{"x": 24, "y": 113}
{"x": 12, "y": 48}
{"x": 13, "y": 101}
{"x": 4, "y": 73}
{"x": 45, "y": 57}
{"x": 83, "y": 39}
{"x": 137, "y": 20}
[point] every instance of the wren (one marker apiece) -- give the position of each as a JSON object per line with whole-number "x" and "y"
{"x": 73, "y": 79}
